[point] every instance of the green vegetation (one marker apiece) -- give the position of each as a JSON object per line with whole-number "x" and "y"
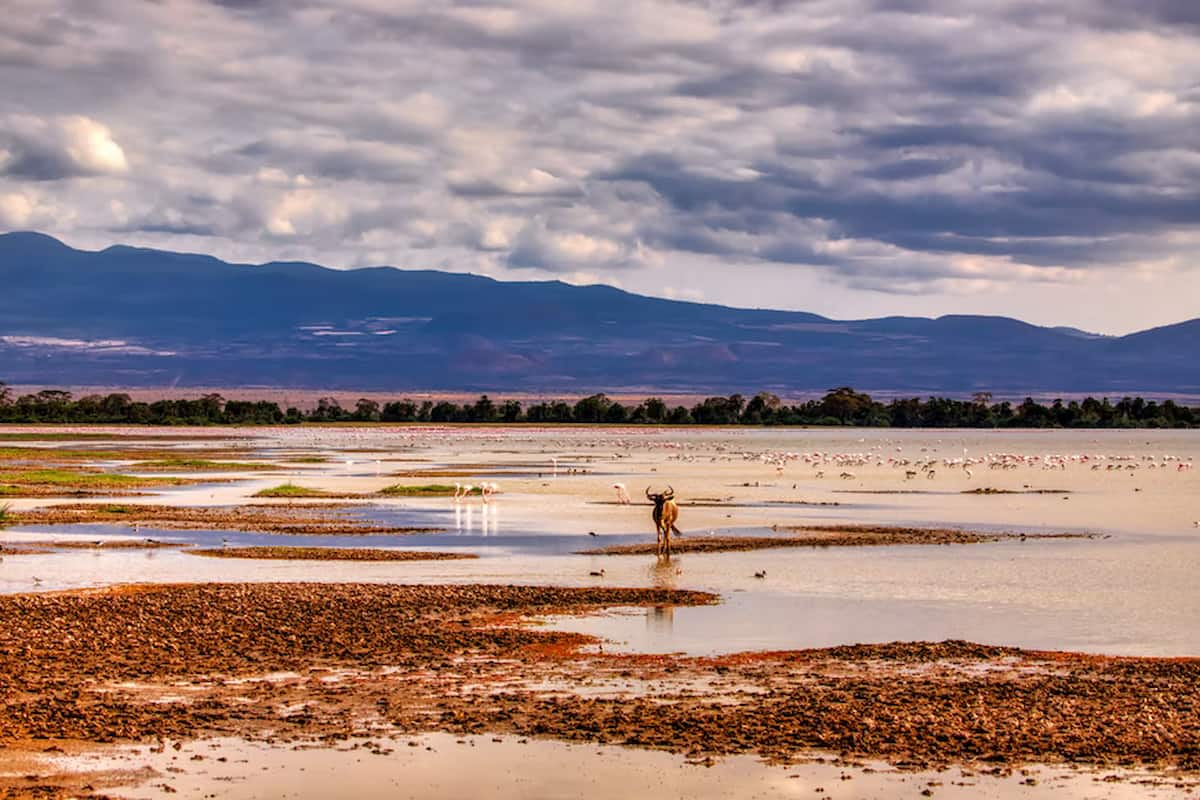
{"x": 306, "y": 460}
{"x": 5, "y": 508}
{"x": 428, "y": 490}
{"x": 842, "y": 407}
{"x": 198, "y": 464}
{"x": 73, "y": 478}
{"x": 292, "y": 490}
{"x": 46, "y": 454}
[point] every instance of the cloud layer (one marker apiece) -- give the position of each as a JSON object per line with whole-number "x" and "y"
{"x": 846, "y": 156}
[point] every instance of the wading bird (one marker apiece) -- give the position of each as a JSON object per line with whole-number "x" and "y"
{"x": 622, "y": 495}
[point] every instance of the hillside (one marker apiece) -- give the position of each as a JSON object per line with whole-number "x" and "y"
{"x": 138, "y": 317}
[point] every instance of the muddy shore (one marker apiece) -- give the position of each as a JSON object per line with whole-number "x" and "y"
{"x": 329, "y": 554}
{"x": 826, "y": 536}
{"x": 144, "y": 662}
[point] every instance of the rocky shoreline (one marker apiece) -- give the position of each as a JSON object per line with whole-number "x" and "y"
{"x": 141, "y": 663}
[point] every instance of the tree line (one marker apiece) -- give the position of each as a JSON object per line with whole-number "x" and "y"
{"x": 843, "y": 406}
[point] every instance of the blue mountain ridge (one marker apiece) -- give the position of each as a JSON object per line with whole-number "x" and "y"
{"x": 185, "y": 319}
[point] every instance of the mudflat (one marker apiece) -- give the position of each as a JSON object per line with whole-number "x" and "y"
{"x": 312, "y": 661}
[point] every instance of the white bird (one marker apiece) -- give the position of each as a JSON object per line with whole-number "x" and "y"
{"x": 622, "y": 495}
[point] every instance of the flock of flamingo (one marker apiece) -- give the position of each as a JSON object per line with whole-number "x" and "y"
{"x": 462, "y": 491}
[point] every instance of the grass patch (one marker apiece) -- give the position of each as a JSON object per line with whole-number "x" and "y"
{"x": 198, "y": 464}
{"x": 426, "y": 490}
{"x": 75, "y": 478}
{"x": 5, "y": 508}
{"x": 292, "y": 490}
{"x": 43, "y": 454}
{"x": 306, "y": 460}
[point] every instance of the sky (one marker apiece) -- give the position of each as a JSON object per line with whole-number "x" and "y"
{"x": 853, "y": 158}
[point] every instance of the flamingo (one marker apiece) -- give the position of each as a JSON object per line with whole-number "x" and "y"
{"x": 622, "y": 495}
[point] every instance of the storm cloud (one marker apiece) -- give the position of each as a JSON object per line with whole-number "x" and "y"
{"x": 844, "y": 156}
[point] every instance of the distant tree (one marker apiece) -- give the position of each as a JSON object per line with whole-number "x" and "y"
{"x": 718, "y": 410}
{"x": 210, "y": 407}
{"x": 510, "y": 411}
{"x": 845, "y": 404}
{"x": 366, "y": 410}
{"x": 679, "y": 416}
{"x": 763, "y": 407}
{"x": 592, "y": 409}
{"x": 328, "y": 410}
{"x": 484, "y": 410}
{"x": 656, "y": 409}
{"x": 5, "y": 394}
{"x": 616, "y": 414}
{"x": 399, "y": 411}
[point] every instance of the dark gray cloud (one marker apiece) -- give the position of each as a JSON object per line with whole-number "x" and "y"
{"x": 907, "y": 145}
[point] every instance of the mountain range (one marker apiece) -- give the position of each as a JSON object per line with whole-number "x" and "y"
{"x": 128, "y": 316}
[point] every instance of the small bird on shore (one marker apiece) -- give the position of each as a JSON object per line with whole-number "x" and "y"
{"x": 37, "y": 581}
{"x": 599, "y": 573}
{"x": 761, "y": 574}
{"x": 592, "y": 533}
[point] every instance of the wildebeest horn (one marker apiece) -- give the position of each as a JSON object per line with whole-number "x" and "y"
{"x": 669, "y": 493}
{"x": 648, "y": 493}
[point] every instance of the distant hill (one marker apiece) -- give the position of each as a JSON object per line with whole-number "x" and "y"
{"x": 127, "y": 316}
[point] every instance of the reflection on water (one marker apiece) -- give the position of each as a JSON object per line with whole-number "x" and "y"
{"x": 485, "y": 517}
{"x": 660, "y": 621}
{"x": 508, "y": 768}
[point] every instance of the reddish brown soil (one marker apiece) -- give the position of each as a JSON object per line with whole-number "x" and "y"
{"x": 100, "y": 666}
